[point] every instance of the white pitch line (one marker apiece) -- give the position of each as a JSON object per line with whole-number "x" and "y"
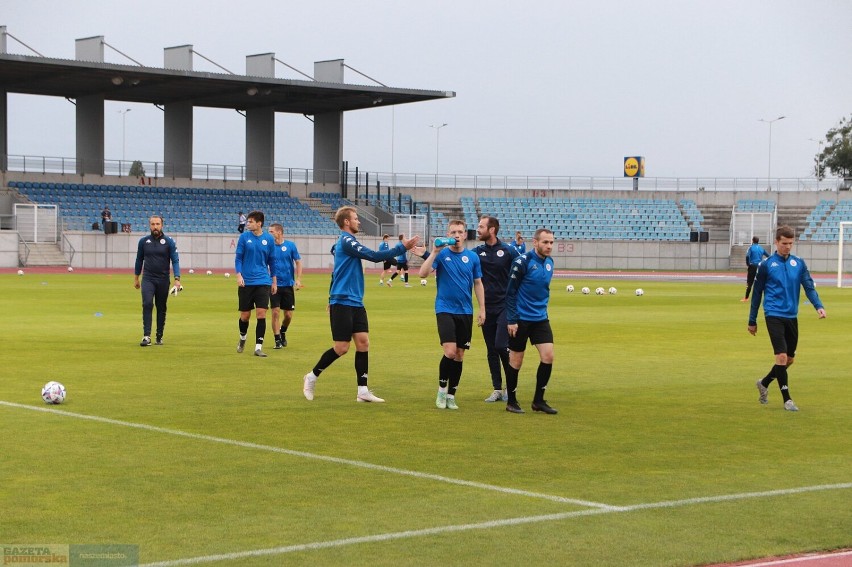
{"x": 495, "y": 524}
{"x": 314, "y": 456}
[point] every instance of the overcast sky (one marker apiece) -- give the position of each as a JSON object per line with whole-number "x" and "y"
{"x": 543, "y": 87}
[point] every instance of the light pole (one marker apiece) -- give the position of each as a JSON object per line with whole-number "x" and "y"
{"x": 437, "y": 128}
{"x": 818, "y": 157}
{"x": 123, "y": 134}
{"x": 769, "y": 167}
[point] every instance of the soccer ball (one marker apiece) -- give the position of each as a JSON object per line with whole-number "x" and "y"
{"x": 599, "y": 291}
{"x": 612, "y": 291}
{"x": 585, "y": 291}
{"x": 53, "y": 393}
{"x": 640, "y": 291}
{"x": 227, "y": 274}
{"x": 70, "y": 269}
{"x": 570, "y": 289}
{"x": 424, "y": 282}
{"x": 20, "y": 272}
{"x": 191, "y": 271}
{"x": 209, "y": 272}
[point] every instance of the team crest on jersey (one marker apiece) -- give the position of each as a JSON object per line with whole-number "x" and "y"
{"x": 263, "y": 242}
{"x": 547, "y": 267}
{"x": 794, "y": 263}
{"x": 499, "y": 253}
{"x": 162, "y": 241}
{"x": 284, "y": 248}
{"x": 465, "y": 260}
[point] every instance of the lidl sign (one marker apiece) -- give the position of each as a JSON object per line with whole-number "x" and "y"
{"x": 634, "y": 166}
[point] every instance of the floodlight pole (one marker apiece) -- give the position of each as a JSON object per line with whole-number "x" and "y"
{"x": 123, "y": 135}
{"x": 769, "y": 167}
{"x": 437, "y": 128}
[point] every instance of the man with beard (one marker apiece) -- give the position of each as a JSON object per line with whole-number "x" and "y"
{"x": 153, "y": 255}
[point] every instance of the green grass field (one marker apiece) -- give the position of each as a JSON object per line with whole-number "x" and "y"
{"x": 660, "y": 454}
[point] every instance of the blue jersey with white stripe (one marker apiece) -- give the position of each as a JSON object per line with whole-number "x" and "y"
{"x": 755, "y": 254}
{"x": 496, "y": 264}
{"x": 529, "y": 288}
{"x": 347, "y": 279}
{"x": 286, "y": 255}
{"x": 780, "y": 282}
{"x": 254, "y": 258}
{"x": 455, "y": 273}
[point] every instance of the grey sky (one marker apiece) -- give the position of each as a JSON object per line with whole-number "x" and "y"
{"x": 543, "y": 87}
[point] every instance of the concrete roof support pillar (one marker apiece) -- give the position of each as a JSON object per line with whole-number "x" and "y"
{"x": 328, "y": 128}
{"x": 260, "y": 123}
{"x": 178, "y": 123}
{"x": 90, "y": 113}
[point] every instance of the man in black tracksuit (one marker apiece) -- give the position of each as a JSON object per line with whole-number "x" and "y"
{"x": 495, "y": 257}
{"x": 154, "y": 253}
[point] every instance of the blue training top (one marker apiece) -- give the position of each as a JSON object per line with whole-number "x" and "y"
{"x": 455, "y": 273}
{"x": 529, "y": 288}
{"x": 496, "y": 264}
{"x": 781, "y": 281}
{"x": 755, "y": 254}
{"x": 347, "y": 279}
{"x": 254, "y": 258}
{"x": 286, "y": 255}
{"x": 156, "y": 255}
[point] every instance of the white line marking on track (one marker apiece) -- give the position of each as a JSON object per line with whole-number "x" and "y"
{"x": 802, "y": 559}
{"x": 314, "y": 456}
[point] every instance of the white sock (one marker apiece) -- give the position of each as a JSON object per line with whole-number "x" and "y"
{"x": 444, "y": 389}
{"x": 310, "y": 376}
{"x": 243, "y": 337}
{"x": 258, "y": 346}
{"x": 363, "y": 389}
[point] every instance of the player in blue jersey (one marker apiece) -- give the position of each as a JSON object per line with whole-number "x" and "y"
{"x": 457, "y": 272}
{"x": 401, "y": 263}
{"x": 346, "y": 310}
{"x": 386, "y": 264}
{"x": 496, "y": 258}
{"x": 254, "y": 264}
{"x": 754, "y": 255}
{"x": 153, "y": 255}
{"x": 288, "y": 277}
{"x": 779, "y": 281}
{"x": 519, "y": 244}
{"x": 526, "y": 314}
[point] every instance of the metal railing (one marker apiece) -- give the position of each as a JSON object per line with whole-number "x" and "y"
{"x": 542, "y": 185}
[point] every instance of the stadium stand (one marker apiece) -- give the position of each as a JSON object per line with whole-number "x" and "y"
{"x": 590, "y": 219}
{"x": 755, "y": 206}
{"x": 828, "y": 230}
{"x": 184, "y": 209}
{"x": 692, "y": 214}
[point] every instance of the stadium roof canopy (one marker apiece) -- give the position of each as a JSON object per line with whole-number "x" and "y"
{"x": 129, "y": 83}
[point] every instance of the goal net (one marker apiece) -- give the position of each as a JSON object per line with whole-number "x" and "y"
{"x": 844, "y": 254}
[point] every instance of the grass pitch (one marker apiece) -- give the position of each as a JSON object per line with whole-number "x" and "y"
{"x": 660, "y": 454}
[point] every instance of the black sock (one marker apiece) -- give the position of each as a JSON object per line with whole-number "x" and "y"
{"x": 243, "y": 327}
{"x": 504, "y": 361}
{"x": 260, "y": 331}
{"x": 445, "y": 372}
{"x": 781, "y": 374}
{"x": 361, "y": 367}
{"x": 512, "y": 384}
{"x": 395, "y": 274}
{"x": 325, "y": 361}
{"x": 455, "y": 378}
{"x": 406, "y": 277}
{"x": 767, "y": 380}
{"x": 542, "y": 377}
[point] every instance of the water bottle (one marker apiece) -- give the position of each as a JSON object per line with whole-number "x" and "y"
{"x": 445, "y": 241}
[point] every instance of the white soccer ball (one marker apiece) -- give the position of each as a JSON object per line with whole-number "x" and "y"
{"x": 612, "y": 291}
{"x": 424, "y": 282}
{"x": 227, "y": 274}
{"x": 20, "y": 272}
{"x": 191, "y": 271}
{"x": 70, "y": 269}
{"x": 640, "y": 291}
{"x": 570, "y": 288}
{"x": 599, "y": 291}
{"x": 585, "y": 291}
{"x": 209, "y": 272}
{"x": 53, "y": 393}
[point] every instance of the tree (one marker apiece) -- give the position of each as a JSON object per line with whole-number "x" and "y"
{"x": 836, "y": 157}
{"x": 136, "y": 170}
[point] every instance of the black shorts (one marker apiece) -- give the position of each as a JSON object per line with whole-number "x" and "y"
{"x": 253, "y": 296}
{"x": 538, "y": 332}
{"x": 346, "y": 321}
{"x": 285, "y": 298}
{"x": 402, "y": 266}
{"x": 784, "y": 335}
{"x": 388, "y": 263}
{"x": 455, "y": 329}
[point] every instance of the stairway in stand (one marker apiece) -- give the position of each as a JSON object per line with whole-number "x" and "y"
{"x": 43, "y": 255}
